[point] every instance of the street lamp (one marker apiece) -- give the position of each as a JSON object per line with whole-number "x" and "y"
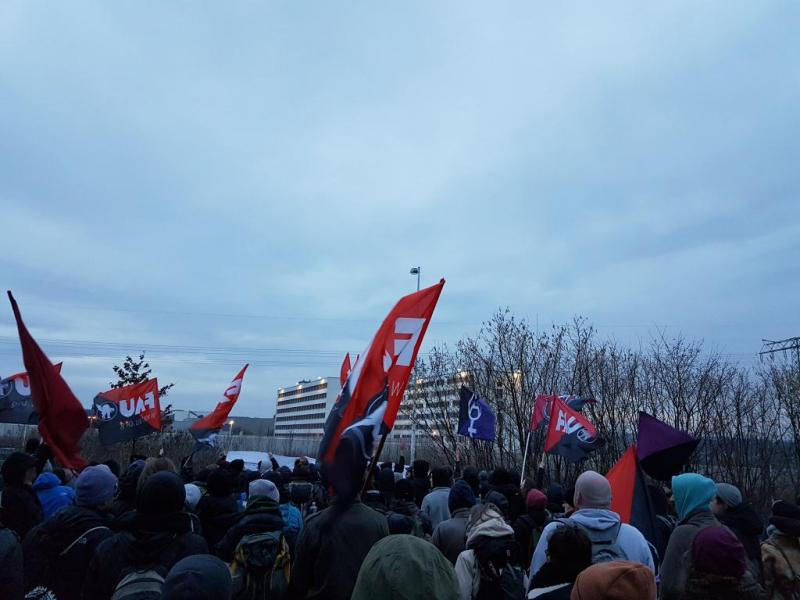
{"x": 230, "y": 431}
{"x": 414, "y": 271}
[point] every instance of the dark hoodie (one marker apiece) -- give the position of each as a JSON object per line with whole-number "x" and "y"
{"x": 75, "y": 531}
{"x": 219, "y": 510}
{"x": 420, "y": 481}
{"x": 21, "y": 507}
{"x": 126, "y": 490}
{"x": 743, "y": 521}
{"x": 261, "y": 515}
{"x": 160, "y": 536}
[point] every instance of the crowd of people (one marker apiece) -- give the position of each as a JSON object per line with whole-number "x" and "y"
{"x": 219, "y": 531}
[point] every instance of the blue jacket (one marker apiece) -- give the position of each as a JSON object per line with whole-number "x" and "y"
{"x": 435, "y": 505}
{"x": 52, "y": 495}
{"x": 292, "y": 523}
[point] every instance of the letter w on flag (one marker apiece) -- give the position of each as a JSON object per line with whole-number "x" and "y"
{"x": 570, "y": 434}
{"x": 371, "y": 396}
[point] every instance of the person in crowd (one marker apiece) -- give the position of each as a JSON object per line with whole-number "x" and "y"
{"x": 420, "y": 480}
{"x": 731, "y": 510}
{"x": 471, "y": 476}
{"x": 500, "y": 502}
{"x": 41, "y": 453}
{"x": 665, "y": 521}
{"x": 502, "y": 481}
{"x": 528, "y": 527}
{"x": 555, "y": 500}
{"x": 616, "y": 580}
{"x": 152, "y": 466}
{"x": 11, "y": 563}
{"x": 483, "y": 476}
{"x": 198, "y": 577}
{"x": 569, "y": 551}
{"x": 450, "y": 536}
{"x": 719, "y": 569}
{"x": 262, "y": 515}
{"x": 218, "y": 509}
{"x": 126, "y": 490}
{"x": 486, "y": 569}
{"x": 21, "y": 507}
{"x": 400, "y": 469}
{"x": 372, "y": 497}
{"x": 385, "y": 484}
{"x": 58, "y": 551}
{"x": 435, "y": 503}
{"x": 335, "y": 541}
{"x": 161, "y": 536}
{"x": 292, "y": 519}
{"x": 780, "y": 553}
{"x": 611, "y": 539}
{"x": 568, "y": 505}
{"x": 52, "y": 495}
{"x": 404, "y": 516}
{"x": 692, "y": 494}
{"x": 193, "y": 495}
{"x": 67, "y": 477}
{"x": 405, "y": 567}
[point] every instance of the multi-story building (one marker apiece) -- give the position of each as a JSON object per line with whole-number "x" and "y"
{"x": 433, "y": 401}
{"x": 301, "y": 409}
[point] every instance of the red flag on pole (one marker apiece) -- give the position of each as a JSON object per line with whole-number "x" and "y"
{"x": 62, "y": 419}
{"x": 371, "y": 398}
{"x": 570, "y": 434}
{"x": 205, "y": 429}
{"x": 345, "y": 371}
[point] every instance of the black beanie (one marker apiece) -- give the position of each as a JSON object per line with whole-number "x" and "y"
{"x": 786, "y": 517}
{"x": 220, "y": 483}
{"x": 162, "y": 494}
{"x": 198, "y": 577}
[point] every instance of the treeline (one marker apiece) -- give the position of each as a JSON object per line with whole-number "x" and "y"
{"x": 747, "y": 417}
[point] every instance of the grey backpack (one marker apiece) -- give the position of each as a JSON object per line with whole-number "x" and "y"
{"x": 145, "y": 584}
{"x": 605, "y": 545}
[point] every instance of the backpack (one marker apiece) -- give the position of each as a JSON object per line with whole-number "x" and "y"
{"x": 300, "y": 495}
{"x": 144, "y": 584}
{"x": 260, "y": 567}
{"x": 605, "y": 546}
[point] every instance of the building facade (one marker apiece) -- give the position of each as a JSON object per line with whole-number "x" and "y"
{"x": 301, "y": 409}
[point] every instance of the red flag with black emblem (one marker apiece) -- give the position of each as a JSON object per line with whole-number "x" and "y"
{"x": 345, "y": 370}
{"x": 206, "y": 429}
{"x": 128, "y": 412}
{"x": 370, "y": 398}
{"x": 570, "y": 434}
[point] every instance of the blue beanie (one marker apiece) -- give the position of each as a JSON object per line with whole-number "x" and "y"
{"x": 95, "y": 486}
{"x": 461, "y": 496}
{"x": 692, "y": 492}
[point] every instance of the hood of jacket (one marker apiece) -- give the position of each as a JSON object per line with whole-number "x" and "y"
{"x": 46, "y": 481}
{"x": 490, "y": 524}
{"x": 152, "y": 534}
{"x": 598, "y": 519}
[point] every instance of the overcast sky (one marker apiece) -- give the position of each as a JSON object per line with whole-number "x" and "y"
{"x": 219, "y": 183}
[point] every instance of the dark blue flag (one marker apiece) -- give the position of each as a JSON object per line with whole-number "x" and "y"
{"x": 475, "y": 418}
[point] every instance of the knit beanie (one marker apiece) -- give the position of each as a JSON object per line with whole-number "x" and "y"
{"x": 535, "y": 500}
{"x": 499, "y": 500}
{"x": 198, "y": 577}
{"x": 717, "y": 551}
{"x": 786, "y": 517}
{"x": 592, "y": 490}
{"x": 162, "y": 494}
{"x": 729, "y": 494}
{"x": 221, "y": 483}
{"x": 264, "y": 487}
{"x": 618, "y": 580}
{"x": 95, "y": 486}
{"x": 461, "y": 496}
{"x": 193, "y": 495}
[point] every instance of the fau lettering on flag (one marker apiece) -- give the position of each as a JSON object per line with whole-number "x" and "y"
{"x": 476, "y": 419}
{"x": 368, "y": 403}
{"x": 570, "y": 434}
{"x": 16, "y": 402}
{"x": 206, "y": 429}
{"x": 544, "y": 404}
{"x": 128, "y": 412}
{"x": 62, "y": 419}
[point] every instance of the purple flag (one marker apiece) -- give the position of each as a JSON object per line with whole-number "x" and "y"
{"x": 661, "y": 449}
{"x": 476, "y": 419}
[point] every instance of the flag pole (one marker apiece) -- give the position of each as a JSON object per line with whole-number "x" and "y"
{"x": 373, "y": 461}
{"x": 525, "y": 458}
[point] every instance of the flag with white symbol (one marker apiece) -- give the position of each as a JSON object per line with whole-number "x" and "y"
{"x": 128, "y": 412}
{"x": 385, "y": 367}
{"x": 206, "y": 429}
{"x": 570, "y": 434}
{"x": 476, "y": 419}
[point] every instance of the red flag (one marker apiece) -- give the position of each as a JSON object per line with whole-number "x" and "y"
{"x": 345, "y": 369}
{"x": 569, "y": 433}
{"x": 128, "y": 412}
{"x": 386, "y": 367}
{"x": 622, "y": 478}
{"x": 541, "y": 410}
{"x": 213, "y": 422}
{"x": 62, "y": 419}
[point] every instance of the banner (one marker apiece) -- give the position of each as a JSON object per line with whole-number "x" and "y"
{"x": 382, "y": 375}
{"x": 543, "y": 404}
{"x": 630, "y": 498}
{"x": 16, "y": 401}
{"x": 128, "y": 412}
{"x": 206, "y": 429}
{"x": 476, "y": 419}
{"x": 570, "y": 434}
{"x": 62, "y": 419}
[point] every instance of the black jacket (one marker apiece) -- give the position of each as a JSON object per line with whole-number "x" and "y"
{"x": 516, "y": 503}
{"x": 406, "y": 517}
{"x": 156, "y": 542}
{"x": 743, "y": 521}
{"x": 21, "y": 508}
{"x": 262, "y": 515}
{"x": 217, "y": 515}
{"x": 11, "y": 584}
{"x": 331, "y": 548}
{"x": 58, "y": 552}
{"x": 421, "y": 488}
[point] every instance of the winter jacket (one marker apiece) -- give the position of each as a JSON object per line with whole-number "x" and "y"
{"x": 516, "y": 503}
{"x": 629, "y": 539}
{"x": 154, "y": 542}
{"x": 709, "y": 587}
{"x": 435, "y": 505}
{"x": 404, "y": 516}
{"x": 292, "y": 524}
{"x": 21, "y": 507}
{"x": 677, "y": 558}
{"x": 553, "y": 582}
{"x": 421, "y": 488}
{"x": 52, "y": 495}
{"x": 58, "y": 551}
{"x": 450, "y": 537}
{"x": 527, "y": 531}
{"x": 331, "y": 549}
{"x": 404, "y": 567}
{"x": 261, "y": 515}
{"x": 746, "y": 525}
{"x": 781, "y": 559}
{"x": 490, "y": 536}
{"x": 11, "y": 565}
{"x": 217, "y": 514}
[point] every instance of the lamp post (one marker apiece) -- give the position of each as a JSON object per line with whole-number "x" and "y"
{"x": 230, "y": 429}
{"x": 414, "y": 271}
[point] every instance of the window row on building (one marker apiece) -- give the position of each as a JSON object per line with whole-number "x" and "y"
{"x": 302, "y": 389}
{"x": 289, "y": 409}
